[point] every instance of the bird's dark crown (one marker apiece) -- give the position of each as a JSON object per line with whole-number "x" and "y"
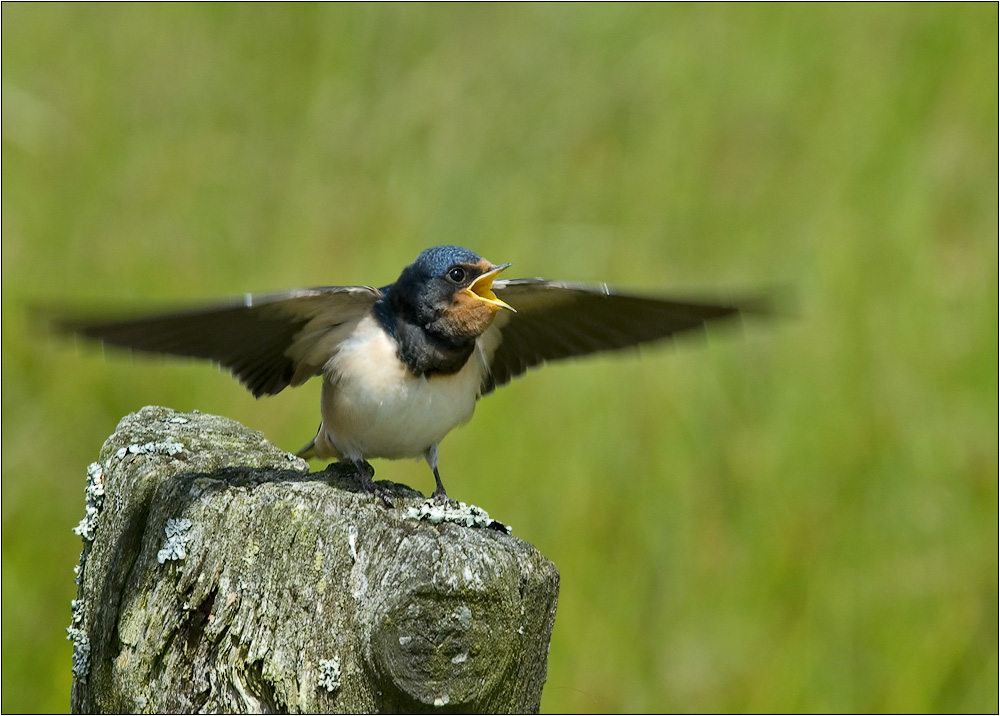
{"x": 436, "y": 260}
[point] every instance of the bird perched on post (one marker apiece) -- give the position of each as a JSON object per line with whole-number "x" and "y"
{"x": 404, "y": 364}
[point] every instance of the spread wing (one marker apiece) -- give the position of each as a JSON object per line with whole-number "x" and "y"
{"x": 558, "y": 320}
{"x": 268, "y": 342}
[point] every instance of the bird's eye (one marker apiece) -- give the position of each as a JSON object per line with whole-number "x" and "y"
{"x": 456, "y": 274}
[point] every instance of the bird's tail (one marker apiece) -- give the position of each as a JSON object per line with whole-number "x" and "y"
{"x": 309, "y": 449}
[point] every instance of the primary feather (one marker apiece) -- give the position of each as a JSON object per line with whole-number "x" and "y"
{"x": 268, "y": 342}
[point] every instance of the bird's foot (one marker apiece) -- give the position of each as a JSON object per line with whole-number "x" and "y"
{"x": 383, "y": 494}
{"x": 365, "y": 474}
{"x": 441, "y": 497}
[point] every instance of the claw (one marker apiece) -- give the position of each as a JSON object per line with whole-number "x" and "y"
{"x": 365, "y": 474}
{"x": 383, "y": 494}
{"x": 440, "y": 496}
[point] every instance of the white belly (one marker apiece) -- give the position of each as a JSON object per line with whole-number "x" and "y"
{"x": 373, "y": 407}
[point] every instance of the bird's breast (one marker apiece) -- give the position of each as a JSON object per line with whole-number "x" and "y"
{"x": 374, "y": 407}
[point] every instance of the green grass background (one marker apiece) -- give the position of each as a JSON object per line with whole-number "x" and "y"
{"x": 797, "y": 516}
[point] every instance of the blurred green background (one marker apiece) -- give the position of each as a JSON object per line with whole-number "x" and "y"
{"x": 796, "y": 516}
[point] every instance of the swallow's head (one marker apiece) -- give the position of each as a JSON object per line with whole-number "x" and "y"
{"x": 449, "y": 290}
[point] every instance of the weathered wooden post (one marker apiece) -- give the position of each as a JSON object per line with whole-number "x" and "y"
{"x": 218, "y": 574}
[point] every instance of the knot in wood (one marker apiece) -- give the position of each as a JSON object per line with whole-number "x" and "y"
{"x": 445, "y": 648}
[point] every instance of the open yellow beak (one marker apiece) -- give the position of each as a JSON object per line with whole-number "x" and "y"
{"x": 482, "y": 288}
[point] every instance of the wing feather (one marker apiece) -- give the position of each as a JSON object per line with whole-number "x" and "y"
{"x": 556, "y": 320}
{"x": 267, "y": 342}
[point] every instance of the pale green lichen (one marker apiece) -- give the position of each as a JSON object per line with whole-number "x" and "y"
{"x": 87, "y": 529}
{"x": 251, "y": 552}
{"x": 460, "y": 513}
{"x": 167, "y": 447}
{"x": 95, "y": 500}
{"x": 329, "y": 674}
{"x": 81, "y": 642}
{"x": 464, "y": 616}
{"x": 177, "y": 539}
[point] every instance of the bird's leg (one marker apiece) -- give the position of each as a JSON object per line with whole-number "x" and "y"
{"x": 432, "y": 459}
{"x": 365, "y": 474}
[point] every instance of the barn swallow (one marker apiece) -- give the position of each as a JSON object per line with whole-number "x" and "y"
{"x": 404, "y": 364}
